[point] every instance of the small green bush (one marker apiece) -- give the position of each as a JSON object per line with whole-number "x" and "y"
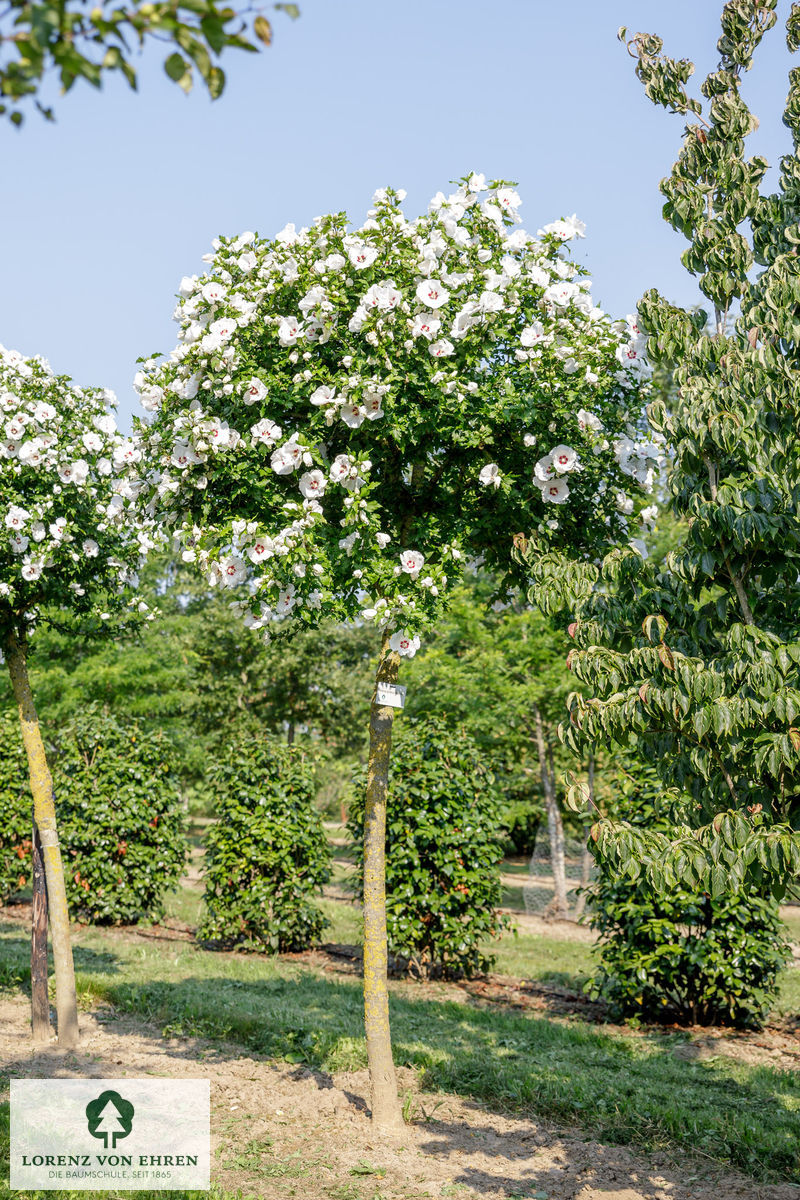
{"x": 266, "y": 854}
{"x": 442, "y": 851}
{"x": 121, "y": 824}
{"x": 124, "y": 825}
{"x": 688, "y": 958}
{"x": 684, "y": 956}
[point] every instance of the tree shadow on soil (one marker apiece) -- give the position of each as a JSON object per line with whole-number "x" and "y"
{"x": 621, "y": 1089}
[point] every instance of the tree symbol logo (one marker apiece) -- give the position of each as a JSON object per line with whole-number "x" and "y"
{"x": 109, "y": 1117}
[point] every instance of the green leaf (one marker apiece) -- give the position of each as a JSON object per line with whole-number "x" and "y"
{"x": 216, "y": 82}
{"x": 176, "y": 67}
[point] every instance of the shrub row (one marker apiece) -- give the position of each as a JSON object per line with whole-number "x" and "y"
{"x": 685, "y": 957}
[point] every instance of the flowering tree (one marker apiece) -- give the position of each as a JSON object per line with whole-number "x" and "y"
{"x": 700, "y": 660}
{"x": 350, "y": 416}
{"x": 64, "y": 498}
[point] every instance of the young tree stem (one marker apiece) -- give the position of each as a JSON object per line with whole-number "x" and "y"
{"x": 44, "y": 815}
{"x": 40, "y": 1002}
{"x": 555, "y": 826}
{"x": 386, "y": 1113}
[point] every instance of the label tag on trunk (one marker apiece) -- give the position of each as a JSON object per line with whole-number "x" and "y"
{"x": 391, "y": 694}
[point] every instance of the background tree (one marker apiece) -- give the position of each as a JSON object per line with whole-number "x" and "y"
{"x": 503, "y": 675}
{"x": 192, "y": 678}
{"x": 75, "y": 41}
{"x": 64, "y": 497}
{"x": 349, "y": 414}
{"x": 700, "y": 660}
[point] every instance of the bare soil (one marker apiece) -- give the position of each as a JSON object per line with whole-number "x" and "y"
{"x": 282, "y": 1131}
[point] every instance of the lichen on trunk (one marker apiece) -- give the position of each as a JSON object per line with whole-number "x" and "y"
{"x": 44, "y": 815}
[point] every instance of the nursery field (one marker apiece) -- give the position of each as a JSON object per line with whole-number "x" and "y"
{"x": 513, "y": 1084}
{"x": 400, "y": 713}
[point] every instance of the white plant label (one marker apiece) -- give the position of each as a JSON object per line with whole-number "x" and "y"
{"x": 391, "y": 694}
{"x": 103, "y": 1134}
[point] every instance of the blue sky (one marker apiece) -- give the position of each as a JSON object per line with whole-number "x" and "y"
{"x": 103, "y": 211}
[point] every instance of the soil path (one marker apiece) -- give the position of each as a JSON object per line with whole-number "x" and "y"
{"x": 281, "y": 1131}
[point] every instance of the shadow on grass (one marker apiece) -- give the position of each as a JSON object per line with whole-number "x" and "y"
{"x": 15, "y": 963}
{"x": 622, "y": 1089}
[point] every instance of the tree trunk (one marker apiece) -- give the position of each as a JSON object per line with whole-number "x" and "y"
{"x": 386, "y": 1114}
{"x": 586, "y": 856}
{"x": 40, "y": 1002}
{"x": 44, "y": 815}
{"x": 555, "y": 826}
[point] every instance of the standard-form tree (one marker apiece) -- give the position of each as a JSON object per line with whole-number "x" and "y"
{"x": 64, "y": 498}
{"x": 350, "y": 416}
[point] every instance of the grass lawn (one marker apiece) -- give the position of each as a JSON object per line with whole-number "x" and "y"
{"x": 621, "y": 1086}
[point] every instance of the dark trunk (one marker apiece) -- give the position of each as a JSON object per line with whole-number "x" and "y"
{"x": 40, "y": 1004}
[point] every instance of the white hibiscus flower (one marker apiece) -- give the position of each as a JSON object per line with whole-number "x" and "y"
{"x": 404, "y": 644}
{"x": 361, "y": 255}
{"x": 262, "y": 548}
{"x": 544, "y": 470}
{"x": 432, "y": 292}
{"x": 255, "y": 390}
{"x": 490, "y": 474}
{"x": 232, "y": 571}
{"x": 556, "y": 491}
{"x": 587, "y": 420}
{"x": 312, "y": 484}
{"x": 265, "y": 431}
{"x": 16, "y": 517}
{"x": 411, "y": 562}
{"x": 324, "y": 394}
{"x": 564, "y": 459}
{"x": 353, "y": 415}
{"x": 32, "y": 569}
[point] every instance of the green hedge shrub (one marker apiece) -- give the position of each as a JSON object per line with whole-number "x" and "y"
{"x": 267, "y": 856}
{"x": 687, "y": 958}
{"x": 443, "y": 851}
{"x": 683, "y": 956}
{"x": 124, "y": 825}
{"x": 120, "y": 817}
